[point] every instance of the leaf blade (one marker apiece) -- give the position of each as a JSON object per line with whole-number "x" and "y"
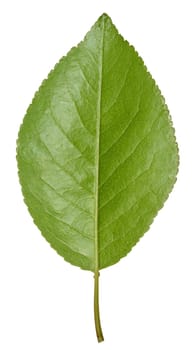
{"x": 91, "y": 151}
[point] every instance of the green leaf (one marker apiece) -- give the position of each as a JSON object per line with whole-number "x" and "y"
{"x": 96, "y": 153}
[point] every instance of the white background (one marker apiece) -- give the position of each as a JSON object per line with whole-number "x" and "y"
{"x": 148, "y": 299}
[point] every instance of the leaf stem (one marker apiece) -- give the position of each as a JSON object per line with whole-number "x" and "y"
{"x": 99, "y": 333}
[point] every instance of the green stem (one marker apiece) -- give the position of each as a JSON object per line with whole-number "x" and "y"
{"x": 99, "y": 333}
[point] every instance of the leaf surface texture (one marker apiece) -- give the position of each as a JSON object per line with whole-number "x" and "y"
{"x": 96, "y": 152}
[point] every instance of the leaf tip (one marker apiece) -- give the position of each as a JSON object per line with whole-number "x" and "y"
{"x": 104, "y": 17}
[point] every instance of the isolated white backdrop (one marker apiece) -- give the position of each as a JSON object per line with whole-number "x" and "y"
{"x": 148, "y": 300}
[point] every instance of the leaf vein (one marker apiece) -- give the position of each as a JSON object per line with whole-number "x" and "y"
{"x": 78, "y": 112}
{"x": 120, "y": 90}
{"x": 58, "y": 219}
{"x": 65, "y": 199}
{"x": 64, "y": 133}
{"x": 86, "y": 79}
{"x": 129, "y": 183}
{"x": 130, "y": 154}
{"x": 125, "y": 212}
{"x": 62, "y": 168}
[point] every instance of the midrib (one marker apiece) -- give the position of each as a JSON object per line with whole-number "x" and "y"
{"x": 99, "y": 101}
